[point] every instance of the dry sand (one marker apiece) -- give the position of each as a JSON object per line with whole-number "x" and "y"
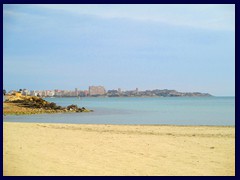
{"x": 66, "y": 149}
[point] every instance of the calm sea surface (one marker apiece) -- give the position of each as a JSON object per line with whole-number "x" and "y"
{"x": 173, "y": 110}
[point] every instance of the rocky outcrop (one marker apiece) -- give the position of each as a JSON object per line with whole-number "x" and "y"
{"x": 77, "y": 109}
{"x": 37, "y": 105}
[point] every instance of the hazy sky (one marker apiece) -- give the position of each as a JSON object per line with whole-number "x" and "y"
{"x": 182, "y": 47}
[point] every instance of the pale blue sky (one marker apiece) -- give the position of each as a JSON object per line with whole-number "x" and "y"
{"x": 182, "y": 47}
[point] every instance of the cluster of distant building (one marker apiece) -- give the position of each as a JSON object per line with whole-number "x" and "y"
{"x": 92, "y": 91}
{"x": 96, "y": 91}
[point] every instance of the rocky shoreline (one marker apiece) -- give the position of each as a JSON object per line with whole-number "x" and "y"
{"x": 19, "y": 105}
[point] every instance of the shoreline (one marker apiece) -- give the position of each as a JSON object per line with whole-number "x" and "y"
{"x": 161, "y": 125}
{"x": 28, "y": 105}
{"x": 103, "y": 149}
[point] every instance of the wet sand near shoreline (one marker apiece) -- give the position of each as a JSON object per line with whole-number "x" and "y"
{"x": 77, "y": 149}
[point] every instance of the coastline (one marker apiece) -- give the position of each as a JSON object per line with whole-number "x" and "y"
{"x": 14, "y": 109}
{"x": 90, "y": 149}
{"x": 28, "y": 105}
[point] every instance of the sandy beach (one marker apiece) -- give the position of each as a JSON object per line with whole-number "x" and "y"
{"x": 68, "y": 149}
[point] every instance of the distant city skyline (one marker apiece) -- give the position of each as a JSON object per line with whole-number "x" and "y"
{"x": 96, "y": 91}
{"x": 188, "y": 48}
{"x": 84, "y": 89}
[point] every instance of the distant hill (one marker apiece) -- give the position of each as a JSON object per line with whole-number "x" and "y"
{"x": 156, "y": 93}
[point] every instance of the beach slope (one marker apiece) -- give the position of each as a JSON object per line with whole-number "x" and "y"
{"x": 67, "y": 149}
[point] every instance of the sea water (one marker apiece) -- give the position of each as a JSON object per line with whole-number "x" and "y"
{"x": 140, "y": 110}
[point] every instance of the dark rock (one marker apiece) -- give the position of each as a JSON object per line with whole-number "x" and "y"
{"x": 38, "y": 103}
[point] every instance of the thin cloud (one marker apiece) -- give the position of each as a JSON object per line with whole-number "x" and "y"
{"x": 211, "y": 17}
